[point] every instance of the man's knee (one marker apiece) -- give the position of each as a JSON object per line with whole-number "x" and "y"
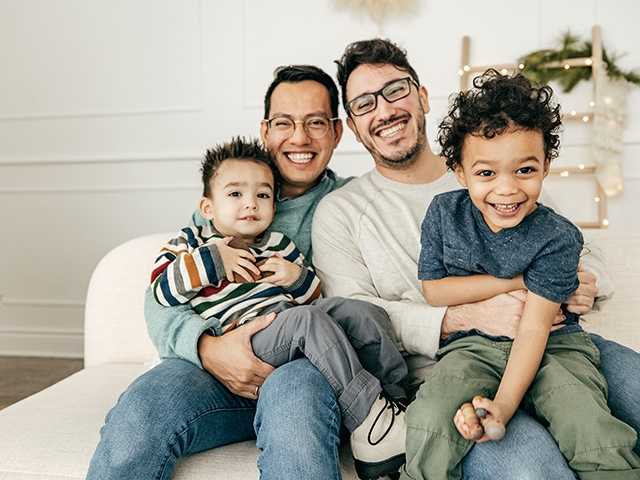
{"x": 296, "y": 399}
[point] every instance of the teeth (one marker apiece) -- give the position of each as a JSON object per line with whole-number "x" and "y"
{"x": 300, "y": 157}
{"x": 506, "y": 207}
{"x": 391, "y": 131}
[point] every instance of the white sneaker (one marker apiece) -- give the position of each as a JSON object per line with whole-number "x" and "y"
{"x": 378, "y": 444}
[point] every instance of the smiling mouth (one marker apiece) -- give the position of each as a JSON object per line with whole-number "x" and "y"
{"x": 392, "y": 126}
{"x": 300, "y": 158}
{"x": 249, "y": 218}
{"x": 506, "y": 209}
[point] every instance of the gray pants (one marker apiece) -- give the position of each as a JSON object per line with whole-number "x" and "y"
{"x": 349, "y": 341}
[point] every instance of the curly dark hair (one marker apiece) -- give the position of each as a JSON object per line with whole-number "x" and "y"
{"x": 300, "y": 73}
{"x": 496, "y": 103}
{"x": 376, "y": 51}
{"x": 239, "y": 148}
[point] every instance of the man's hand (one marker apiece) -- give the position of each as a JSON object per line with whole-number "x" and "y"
{"x": 498, "y": 316}
{"x": 230, "y": 358}
{"x": 236, "y": 260}
{"x": 582, "y": 300}
{"x": 283, "y": 272}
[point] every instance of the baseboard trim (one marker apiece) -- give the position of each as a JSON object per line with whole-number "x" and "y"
{"x": 56, "y": 344}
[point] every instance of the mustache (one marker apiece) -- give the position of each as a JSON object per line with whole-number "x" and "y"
{"x": 389, "y": 121}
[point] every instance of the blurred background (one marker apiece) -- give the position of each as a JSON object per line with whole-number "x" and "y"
{"x": 107, "y": 107}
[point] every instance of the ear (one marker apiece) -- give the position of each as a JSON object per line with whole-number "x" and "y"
{"x": 263, "y": 132}
{"x": 352, "y": 127}
{"x": 459, "y": 171}
{"x": 423, "y": 94}
{"x": 338, "y": 128}
{"x": 206, "y": 208}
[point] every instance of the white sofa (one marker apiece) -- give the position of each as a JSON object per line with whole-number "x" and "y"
{"x": 52, "y": 434}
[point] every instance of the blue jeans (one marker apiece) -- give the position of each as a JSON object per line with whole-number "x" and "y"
{"x": 177, "y": 409}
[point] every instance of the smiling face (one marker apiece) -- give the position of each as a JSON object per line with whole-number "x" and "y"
{"x": 242, "y": 199}
{"x": 394, "y": 133}
{"x": 300, "y": 159}
{"x": 504, "y": 175}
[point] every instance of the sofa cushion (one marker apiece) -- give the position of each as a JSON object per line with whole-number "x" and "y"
{"x": 52, "y": 434}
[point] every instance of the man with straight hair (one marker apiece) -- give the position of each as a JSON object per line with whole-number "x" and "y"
{"x": 204, "y": 393}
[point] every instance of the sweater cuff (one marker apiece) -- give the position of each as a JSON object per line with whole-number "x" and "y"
{"x": 304, "y": 273}
{"x": 218, "y": 264}
{"x": 187, "y": 342}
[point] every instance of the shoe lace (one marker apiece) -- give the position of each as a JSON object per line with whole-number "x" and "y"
{"x": 396, "y": 407}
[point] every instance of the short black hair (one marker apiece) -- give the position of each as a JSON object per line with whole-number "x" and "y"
{"x": 376, "y": 51}
{"x": 496, "y": 103}
{"x": 239, "y": 148}
{"x": 300, "y": 73}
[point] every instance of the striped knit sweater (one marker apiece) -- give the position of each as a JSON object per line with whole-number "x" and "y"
{"x": 189, "y": 269}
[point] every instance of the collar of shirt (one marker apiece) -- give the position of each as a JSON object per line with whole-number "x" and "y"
{"x": 322, "y": 177}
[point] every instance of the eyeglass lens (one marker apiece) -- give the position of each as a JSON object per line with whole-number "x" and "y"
{"x": 392, "y": 92}
{"x": 315, "y": 127}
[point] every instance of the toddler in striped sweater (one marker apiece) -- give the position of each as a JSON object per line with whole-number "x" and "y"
{"x": 235, "y": 269}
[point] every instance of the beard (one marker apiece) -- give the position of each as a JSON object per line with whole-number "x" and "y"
{"x": 403, "y": 159}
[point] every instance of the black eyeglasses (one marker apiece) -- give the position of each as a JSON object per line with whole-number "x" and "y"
{"x": 284, "y": 126}
{"x": 391, "y": 92}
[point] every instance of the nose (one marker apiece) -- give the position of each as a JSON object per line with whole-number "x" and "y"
{"x": 299, "y": 135}
{"x": 506, "y": 185}
{"x": 251, "y": 204}
{"x": 384, "y": 110}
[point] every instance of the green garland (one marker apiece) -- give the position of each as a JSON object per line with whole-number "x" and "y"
{"x": 571, "y": 47}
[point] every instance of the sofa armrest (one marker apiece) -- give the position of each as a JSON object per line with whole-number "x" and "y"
{"x": 115, "y": 329}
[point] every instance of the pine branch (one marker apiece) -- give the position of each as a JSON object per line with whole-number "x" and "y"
{"x": 571, "y": 46}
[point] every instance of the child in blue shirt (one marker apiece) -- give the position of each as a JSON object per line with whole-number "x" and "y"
{"x": 494, "y": 237}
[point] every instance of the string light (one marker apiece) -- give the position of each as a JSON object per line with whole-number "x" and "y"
{"x": 564, "y": 173}
{"x": 567, "y": 66}
{"x": 466, "y": 68}
{"x": 592, "y": 104}
{"x": 588, "y": 61}
{"x": 504, "y": 71}
{"x": 597, "y": 199}
{"x": 585, "y": 118}
{"x": 460, "y": 72}
{"x": 573, "y": 113}
{"x": 521, "y": 66}
{"x": 605, "y": 223}
{"x": 581, "y": 166}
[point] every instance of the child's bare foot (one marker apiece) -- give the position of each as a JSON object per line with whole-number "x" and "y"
{"x": 468, "y": 423}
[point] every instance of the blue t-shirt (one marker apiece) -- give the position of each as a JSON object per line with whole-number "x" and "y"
{"x": 545, "y": 247}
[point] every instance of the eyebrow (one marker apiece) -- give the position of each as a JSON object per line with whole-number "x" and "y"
{"x": 519, "y": 160}
{"x": 319, "y": 113}
{"x": 374, "y": 91}
{"x": 244, "y": 184}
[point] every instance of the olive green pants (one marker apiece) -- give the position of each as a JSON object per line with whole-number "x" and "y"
{"x": 568, "y": 395}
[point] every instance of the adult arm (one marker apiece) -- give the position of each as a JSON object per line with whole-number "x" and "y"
{"x": 180, "y": 332}
{"x": 340, "y": 265}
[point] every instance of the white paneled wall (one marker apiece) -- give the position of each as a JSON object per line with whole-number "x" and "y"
{"x": 108, "y": 105}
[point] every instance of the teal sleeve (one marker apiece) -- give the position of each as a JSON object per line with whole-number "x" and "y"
{"x": 175, "y": 331}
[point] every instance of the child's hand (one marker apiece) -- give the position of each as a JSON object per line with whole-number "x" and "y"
{"x": 236, "y": 261}
{"x": 489, "y": 425}
{"x": 281, "y": 272}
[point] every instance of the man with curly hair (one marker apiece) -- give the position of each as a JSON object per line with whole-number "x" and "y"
{"x": 366, "y": 238}
{"x": 494, "y": 237}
